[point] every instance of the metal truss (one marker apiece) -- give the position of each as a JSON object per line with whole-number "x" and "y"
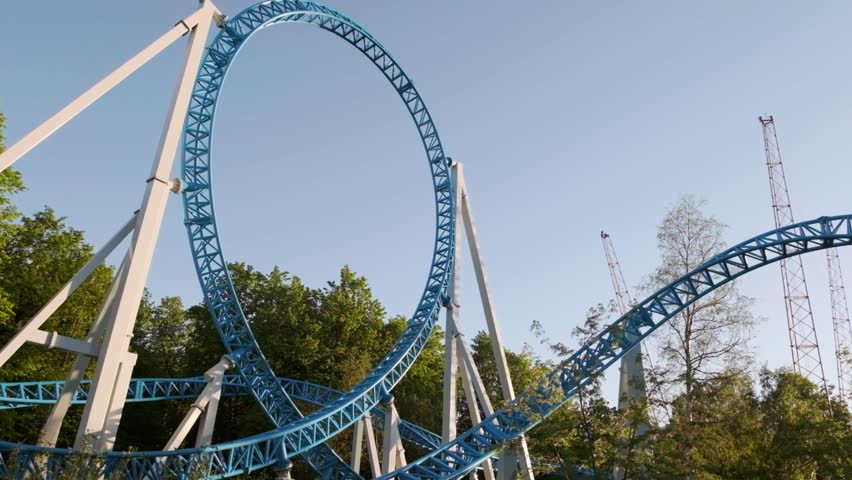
{"x": 29, "y": 394}
{"x": 294, "y": 434}
{"x": 462, "y": 455}
{"x": 842, "y": 326}
{"x": 303, "y": 435}
{"x": 804, "y": 343}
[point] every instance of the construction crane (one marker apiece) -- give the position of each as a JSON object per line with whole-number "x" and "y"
{"x": 804, "y": 345}
{"x": 631, "y": 380}
{"x": 631, "y": 384}
{"x": 842, "y": 326}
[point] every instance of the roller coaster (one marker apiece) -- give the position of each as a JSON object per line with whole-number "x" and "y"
{"x": 294, "y": 434}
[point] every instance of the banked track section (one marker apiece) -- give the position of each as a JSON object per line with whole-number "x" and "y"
{"x": 459, "y": 457}
{"x": 298, "y": 435}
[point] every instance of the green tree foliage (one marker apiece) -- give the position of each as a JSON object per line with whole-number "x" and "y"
{"x": 10, "y": 184}
{"x": 42, "y": 254}
{"x": 724, "y": 429}
{"x": 807, "y": 435}
{"x": 709, "y": 338}
{"x": 584, "y": 432}
{"x": 523, "y": 368}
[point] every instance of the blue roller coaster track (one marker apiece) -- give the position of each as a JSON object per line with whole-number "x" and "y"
{"x": 300, "y": 435}
{"x": 462, "y": 455}
{"x": 294, "y": 434}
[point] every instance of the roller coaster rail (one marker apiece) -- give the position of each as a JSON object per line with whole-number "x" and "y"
{"x": 293, "y": 434}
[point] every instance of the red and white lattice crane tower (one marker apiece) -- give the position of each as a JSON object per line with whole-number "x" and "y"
{"x": 631, "y": 382}
{"x": 804, "y": 345}
{"x": 842, "y": 326}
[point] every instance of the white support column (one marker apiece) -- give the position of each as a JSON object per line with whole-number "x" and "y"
{"x": 216, "y": 377}
{"x": 50, "y": 432}
{"x": 488, "y": 307}
{"x": 30, "y": 332}
{"x": 102, "y": 404}
{"x": 372, "y": 446}
{"x": 33, "y": 138}
{"x": 116, "y": 400}
{"x": 473, "y": 407}
{"x": 451, "y": 367}
{"x": 357, "y": 445}
{"x": 485, "y": 292}
{"x": 469, "y": 368}
{"x": 393, "y": 454}
{"x": 203, "y": 403}
{"x": 282, "y": 472}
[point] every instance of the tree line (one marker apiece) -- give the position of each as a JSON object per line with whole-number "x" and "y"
{"x": 710, "y": 414}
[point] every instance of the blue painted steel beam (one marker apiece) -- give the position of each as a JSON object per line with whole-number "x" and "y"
{"x": 29, "y": 394}
{"x": 306, "y": 435}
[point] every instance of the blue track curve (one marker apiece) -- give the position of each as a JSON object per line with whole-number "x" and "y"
{"x": 462, "y": 455}
{"x": 306, "y": 435}
{"x": 29, "y": 394}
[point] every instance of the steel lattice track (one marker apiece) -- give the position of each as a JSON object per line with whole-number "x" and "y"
{"x": 459, "y": 457}
{"x": 297, "y": 435}
{"x": 303, "y": 435}
{"x": 28, "y": 394}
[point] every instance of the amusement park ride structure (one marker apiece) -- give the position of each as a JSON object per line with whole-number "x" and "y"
{"x": 496, "y": 440}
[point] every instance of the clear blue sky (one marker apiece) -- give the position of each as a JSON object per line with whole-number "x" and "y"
{"x": 570, "y": 117}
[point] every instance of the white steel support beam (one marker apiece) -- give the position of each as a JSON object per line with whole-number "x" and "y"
{"x": 50, "y": 432}
{"x": 30, "y": 332}
{"x": 33, "y": 138}
{"x": 66, "y": 344}
{"x": 116, "y": 400}
{"x": 393, "y": 454}
{"x": 469, "y": 369}
{"x": 451, "y": 367}
{"x": 362, "y": 427}
{"x": 473, "y": 408}
{"x": 215, "y": 376}
{"x": 203, "y": 404}
{"x": 505, "y": 377}
{"x": 357, "y": 445}
{"x": 102, "y": 407}
{"x": 484, "y": 291}
{"x": 372, "y": 446}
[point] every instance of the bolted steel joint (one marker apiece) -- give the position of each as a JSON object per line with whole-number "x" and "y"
{"x": 176, "y": 185}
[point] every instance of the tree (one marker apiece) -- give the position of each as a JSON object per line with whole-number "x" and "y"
{"x": 709, "y": 339}
{"x": 523, "y": 368}
{"x": 586, "y": 431}
{"x": 808, "y": 435}
{"x": 40, "y": 254}
{"x": 10, "y": 184}
{"x": 724, "y": 430}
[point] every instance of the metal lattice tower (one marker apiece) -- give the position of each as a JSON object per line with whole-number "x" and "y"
{"x": 622, "y": 296}
{"x": 842, "y": 326}
{"x": 804, "y": 345}
{"x": 631, "y": 384}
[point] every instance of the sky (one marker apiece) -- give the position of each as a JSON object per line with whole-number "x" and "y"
{"x": 570, "y": 118}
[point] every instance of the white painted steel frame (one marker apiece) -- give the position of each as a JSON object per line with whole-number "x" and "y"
{"x": 102, "y": 413}
{"x": 457, "y": 354}
{"x": 112, "y": 374}
{"x": 207, "y": 404}
{"x": 393, "y": 453}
